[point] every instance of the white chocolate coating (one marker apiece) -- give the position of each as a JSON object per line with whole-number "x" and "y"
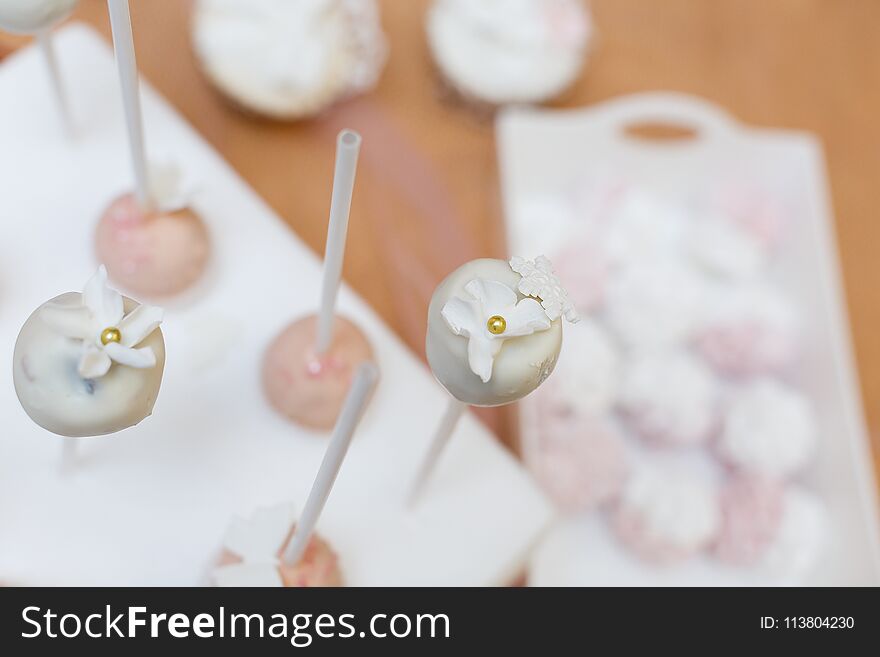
{"x": 509, "y": 51}
{"x": 29, "y": 16}
{"x": 523, "y": 362}
{"x": 289, "y": 60}
{"x": 58, "y": 399}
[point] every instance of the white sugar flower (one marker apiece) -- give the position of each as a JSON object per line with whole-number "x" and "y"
{"x": 488, "y": 318}
{"x": 108, "y": 335}
{"x": 256, "y": 541}
{"x": 540, "y": 281}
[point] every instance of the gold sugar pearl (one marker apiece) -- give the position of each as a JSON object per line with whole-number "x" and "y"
{"x": 110, "y": 334}
{"x": 496, "y": 325}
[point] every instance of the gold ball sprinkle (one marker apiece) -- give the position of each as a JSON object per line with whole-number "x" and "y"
{"x": 110, "y": 334}
{"x": 496, "y": 325}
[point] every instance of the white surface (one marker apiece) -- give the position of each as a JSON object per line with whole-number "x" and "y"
{"x": 150, "y": 505}
{"x": 542, "y": 152}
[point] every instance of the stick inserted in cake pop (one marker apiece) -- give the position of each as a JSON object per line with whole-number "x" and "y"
{"x": 494, "y": 335}
{"x": 151, "y": 241}
{"x": 348, "y": 146}
{"x": 47, "y": 46}
{"x": 272, "y": 547}
{"x": 126, "y": 63}
{"x": 37, "y": 17}
{"x": 352, "y": 410}
{"x": 307, "y": 370}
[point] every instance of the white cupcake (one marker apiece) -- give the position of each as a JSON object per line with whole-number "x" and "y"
{"x": 500, "y": 52}
{"x": 769, "y": 430}
{"x": 289, "y": 60}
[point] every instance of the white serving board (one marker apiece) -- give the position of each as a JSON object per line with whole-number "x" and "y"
{"x": 149, "y": 506}
{"x": 543, "y": 151}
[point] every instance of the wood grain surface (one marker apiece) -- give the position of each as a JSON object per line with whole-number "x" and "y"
{"x": 427, "y": 195}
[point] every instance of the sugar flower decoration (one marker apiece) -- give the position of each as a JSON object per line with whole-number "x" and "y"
{"x": 540, "y": 281}
{"x": 257, "y": 541}
{"x": 107, "y": 334}
{"x": 490, "y": 316}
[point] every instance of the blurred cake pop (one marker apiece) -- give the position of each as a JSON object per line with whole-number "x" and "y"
{"x": 584, "y": 268}
{"x": 654, "y": 304}
{"x": 253, "y": 549}
{"x": 579, "y": 460}
{"x": 273, "y": 547}
{"x": 751, "y": 511}
{"x": 587, "y": 379}
{"x": 670, "y": 398}
{"x": 152, "y": 242}
{"x": 666, "y": 516}
{"x": 499, "y": 52}
{"x": 89, "y": 364}
{"x": 158, "y": 252}
{"x": 289, "y": 60}
{"x": 803, "y": 535}
{"x": 307, "y": 369}
{"x": 641, "y": 227}
{"x": 769, "y": 430}
{"x": 33, "y": 16}
{"x": 725, "y": 249}
{"x": 747, "y": 331}
{"x": 494, "y": 335}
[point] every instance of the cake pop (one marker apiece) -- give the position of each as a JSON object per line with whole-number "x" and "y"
{"x": 751, "y": 511}
{"x": 666, "y": 516}
{"x": 497, "y": 52}
{"x": 289, "y": 60}
{"x": 272, "y": 548}
{"x": 748, "y": 330}
{"x": 769, "y": 430}
{"x": 494, "y": 335}
{"x": 89, "y": 364}
{"x": 152, "y": 243}
{"x": 670, "y": 398}
{"x": 37, "y": 17}
{"x": 308, "y": 368}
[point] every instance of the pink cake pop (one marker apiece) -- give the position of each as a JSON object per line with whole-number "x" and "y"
{"x": 666, "y": 516}
{"x": 751, "y": 510}
{"x": 748, "y": 331}
{"x": 307, "y": 369}
{"x": 670, "y": 398}
{"x": 150, "y": 244}
{"x": 579, "y": 460}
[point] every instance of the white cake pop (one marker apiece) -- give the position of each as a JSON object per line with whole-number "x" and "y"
{"x": 748, "y": 330}
{"x": 769, "y": 430}
{"x": 490, "y": 341}
{"x": 508, "y": 51}
{"x": 666, "y": 515}
{"x": 670, "y": 397}
{"x": 803, "y": 535}
{"x": 289, "y": 60}
{"x": 752, "y": 509}
{"x": 89, "y": 364}
{"x": 32, "y": 16}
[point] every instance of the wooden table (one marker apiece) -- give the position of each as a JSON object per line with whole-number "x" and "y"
{"x": 427, "y": 195}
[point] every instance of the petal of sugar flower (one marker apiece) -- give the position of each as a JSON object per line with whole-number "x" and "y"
{"x": 264, "y": 575}
{"x": 69, "y": 321}
{"x": 139, "y": 323}
{"x": 462, "y": 317}
{"x": 493, "y": 296}
{"x": 104, "y": 302}
{"x": 137, "y": 358}
{"x": 525, "y": 318}
{"x": 94, "y": 363}
{"x": 260, "y": 537}
{"x": 481, "y": 354}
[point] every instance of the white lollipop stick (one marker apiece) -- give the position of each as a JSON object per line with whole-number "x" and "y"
{"x": 355, "y": 404}
{"x": 348, "y": 145}
{"x": 123, "y": 45}
{"x": 46, "y": 43}
{"x": 444, "y": 432}
{"x": 69, "y": 448}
